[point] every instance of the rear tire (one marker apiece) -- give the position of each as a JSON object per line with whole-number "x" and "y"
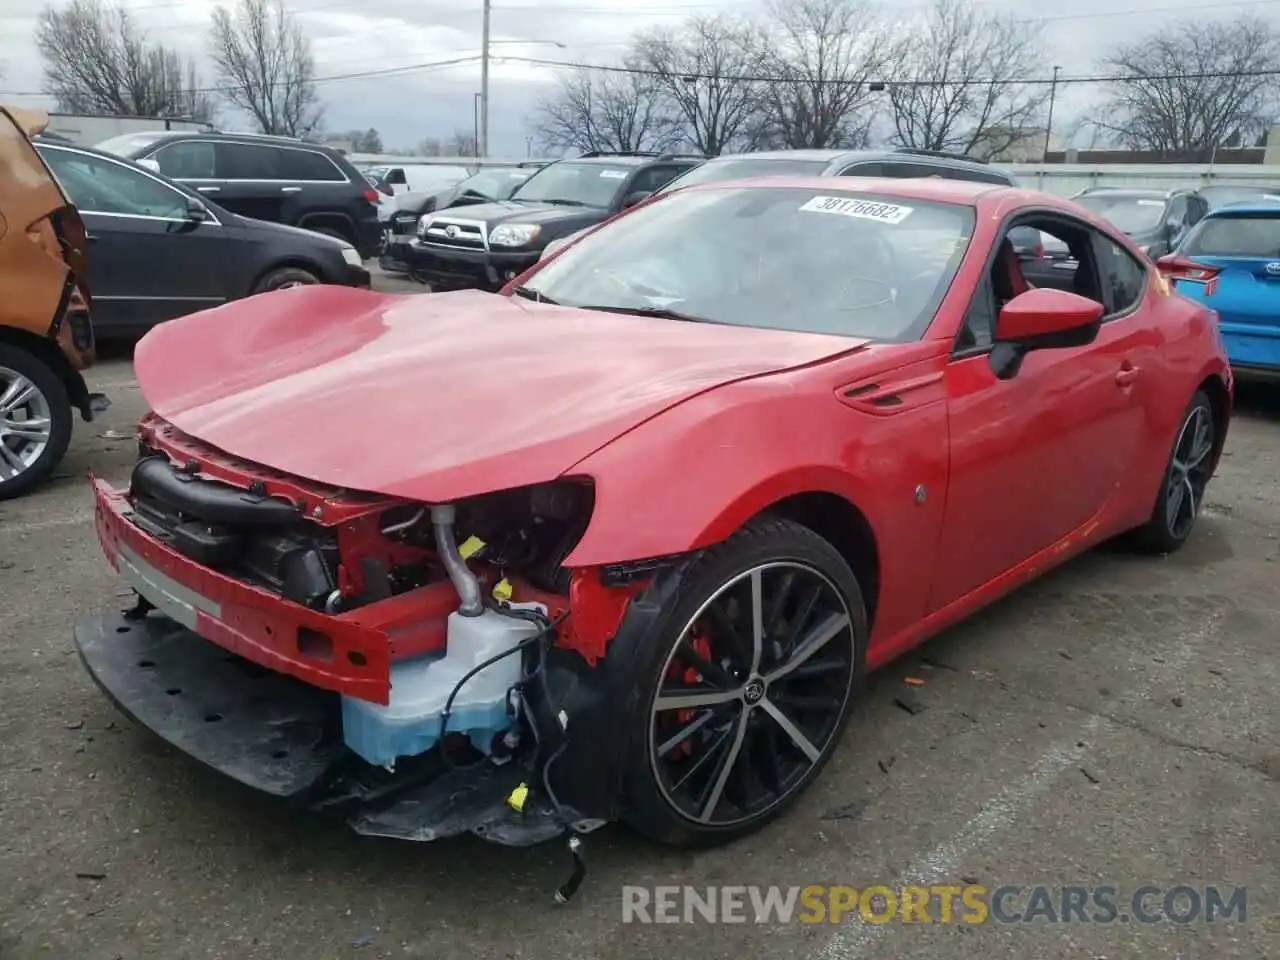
{"x": 285, "y": 277}
{"x": 30, "y": 393}
{"x": 743, "y": 760}
{"x": 1185, "y": 479}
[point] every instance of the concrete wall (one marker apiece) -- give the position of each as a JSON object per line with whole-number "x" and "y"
{"x": 1066, "y": 179}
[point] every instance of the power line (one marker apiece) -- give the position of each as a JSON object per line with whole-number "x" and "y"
{"x": 889, "y": 82}
{"x": 359, "y": 75}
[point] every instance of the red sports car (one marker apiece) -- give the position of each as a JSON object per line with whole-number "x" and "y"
{"x": 620, "y": 542}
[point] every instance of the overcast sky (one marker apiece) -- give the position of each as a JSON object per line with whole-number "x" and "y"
{"x": 351, "y": 36}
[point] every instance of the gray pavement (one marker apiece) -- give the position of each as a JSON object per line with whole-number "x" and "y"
{"x": 1115, "y": 723}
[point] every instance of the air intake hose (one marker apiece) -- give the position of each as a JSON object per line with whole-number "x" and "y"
{"x": 464, "y": 581}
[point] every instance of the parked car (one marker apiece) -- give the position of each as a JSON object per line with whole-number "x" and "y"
{"x": 46, "y": 326}
{"x": 707, "y": 467}
{"x": 1230, "y": 262}
{"x": 399, "y": 215}
{"x": 485, "y": 245}
{"x": 901, "y": 163}
{"x": 1156, "y": 220}
{"x": 160, "y": 250}
{"x": 1221, "y": 195}
{"x": 281, "y": 179}
{"x": 419, "y": 177}
{"x": 490, "y": 184}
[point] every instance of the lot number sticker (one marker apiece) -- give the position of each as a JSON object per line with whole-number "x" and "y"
{"x": 862, "y": 209}
{"x": 612, "y": 174}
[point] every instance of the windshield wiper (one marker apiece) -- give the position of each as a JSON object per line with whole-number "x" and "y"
{"x": 530, "y": 294}
{"x": 563, "y": 203}
{"x": 662, "y": 313}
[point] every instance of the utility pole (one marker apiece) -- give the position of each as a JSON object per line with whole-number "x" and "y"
{"x": 1048, "y": 127}
{"x": 482, "y": 147}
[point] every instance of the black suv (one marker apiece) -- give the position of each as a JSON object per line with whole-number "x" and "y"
{"x": 902, "y": 163}
{"x": 485, "y": 245}
{"x": 1154, "y": 219}
{"x": 281, "y": 179}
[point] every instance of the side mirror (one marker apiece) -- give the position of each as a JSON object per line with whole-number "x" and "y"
{"x": 1042, "y": 319}
{"x": 152, "y": 165}
{"x": 197, "y": 212}
{"x": 635, "y": 197}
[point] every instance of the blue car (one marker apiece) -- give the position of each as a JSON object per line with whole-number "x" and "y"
{"x": 1230, "y": 262}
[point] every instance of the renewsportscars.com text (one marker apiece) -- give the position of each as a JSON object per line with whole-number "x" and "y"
{"x": 970, "y": 904}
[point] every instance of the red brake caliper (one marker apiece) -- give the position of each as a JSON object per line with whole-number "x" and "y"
{"x": 688, "y": 676}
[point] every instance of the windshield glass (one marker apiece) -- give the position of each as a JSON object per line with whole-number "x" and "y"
{"x": 1221, "y": 196}
{"x": 576, "y": 184}
{"x": 495, "y": 183}
{"x": 1128, "y": 213}
{"x": 741, "y": 168}
{"x": 833, "y": 262}
{"x": 1254, "y": 237}
{"x": 129, "y": 143}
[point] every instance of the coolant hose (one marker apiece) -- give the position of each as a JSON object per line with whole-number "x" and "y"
{"x": 464, "y": 581}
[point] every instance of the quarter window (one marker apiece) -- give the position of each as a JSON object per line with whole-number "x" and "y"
{"x": 96, "y": 185}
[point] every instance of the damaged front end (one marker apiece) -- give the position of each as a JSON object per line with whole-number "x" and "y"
{"x": 427, "y": 670}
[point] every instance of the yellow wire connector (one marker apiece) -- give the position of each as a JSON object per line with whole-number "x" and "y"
{"x": 502, "y": 590}
{"x": 518, "y": 797}
{"x": 470, "y": 547}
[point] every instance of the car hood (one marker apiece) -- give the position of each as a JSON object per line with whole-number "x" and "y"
{"x": 437, "y": 397}
{"x": 516, "y": 211}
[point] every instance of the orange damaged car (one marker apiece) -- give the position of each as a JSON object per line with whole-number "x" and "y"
{"x": 46, "y": 332}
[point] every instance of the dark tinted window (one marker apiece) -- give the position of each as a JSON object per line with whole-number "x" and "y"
{"x": 1128, "y": 277}
{"x": 1254, "y": 236}
{"x": 873, "y": 168}
{"x": 249, "y": 161}
{"x": 309, "y": 165}
{"x": 653, "y": 178}
{"x": 187, "y": 160}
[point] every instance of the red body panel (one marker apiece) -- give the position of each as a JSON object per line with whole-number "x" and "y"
{"x": 970, "y": 484}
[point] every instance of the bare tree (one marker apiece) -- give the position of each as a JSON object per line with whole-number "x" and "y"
{"x": 710, "y": 71}
{"x": 606, "y": 110}
{"x": 96, "y": 60}
{"x": 962, "y": 94}
{"x": 462, "y": 144}
{"x": 266, "y": 67}
{"x": 827, "y": 52}
{"x": 1166, "y": 103}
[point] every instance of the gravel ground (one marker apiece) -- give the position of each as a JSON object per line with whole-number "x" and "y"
{"x": 1115, "y": 723}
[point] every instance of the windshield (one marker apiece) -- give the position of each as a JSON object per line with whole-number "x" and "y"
{"x": 1235, "y": 236}
{"x": 130, "y": 143}
{"x": 576, "y": 184}
{"x": 741, "y": 168}
{"x": 1221, "y": 196}
{"x": 850, "y": 264}
{"x": 495, "y": 183}
{"x": 1128, "y": 213}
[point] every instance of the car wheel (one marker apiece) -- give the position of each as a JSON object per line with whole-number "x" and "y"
{"x": 747, "y": 683}
{"x": 284, "y": 278}
{"x": 1185, "y": 479}
{"x": 35, "y": 421}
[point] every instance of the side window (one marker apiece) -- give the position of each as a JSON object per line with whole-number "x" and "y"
{"x": 309, "y": 165}
{"x": 395, "y": 177}
{"x": 905, "y": 171}
{"x": 869, "y": 169}
{"x": 96, "y": 185}
{"x": 1126, "y": 276}
{"x": 652, "y": 178}
{"x": 248, "y": 161}
{"x": 187, "y": 160}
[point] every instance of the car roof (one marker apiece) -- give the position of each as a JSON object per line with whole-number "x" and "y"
{"x": 834, "y": 156}
{"x": 246, "y": 138}
{"x": 625, "y": 159}
{"x": 1136, "y": 192}
{"x": 939, "y": 189}
{"x": 1245, "y": 209}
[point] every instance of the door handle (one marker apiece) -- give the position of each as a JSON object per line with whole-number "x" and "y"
{"x": 208, "y": 189}
{"x": 1126, "y": 375}
{"x": 290, "y": 189}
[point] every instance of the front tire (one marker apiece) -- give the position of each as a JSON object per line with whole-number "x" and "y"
{"x": 747, "y": 681}
{"x": 35, "y": 421}
{"x": 1186, "y": 477}
{"x": 284, "y": 278}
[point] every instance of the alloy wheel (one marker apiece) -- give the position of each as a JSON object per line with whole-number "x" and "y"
{"x": 1189, "y": 472}
{"x": 752, "y": 694}
{"x": 26, "y": 423}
